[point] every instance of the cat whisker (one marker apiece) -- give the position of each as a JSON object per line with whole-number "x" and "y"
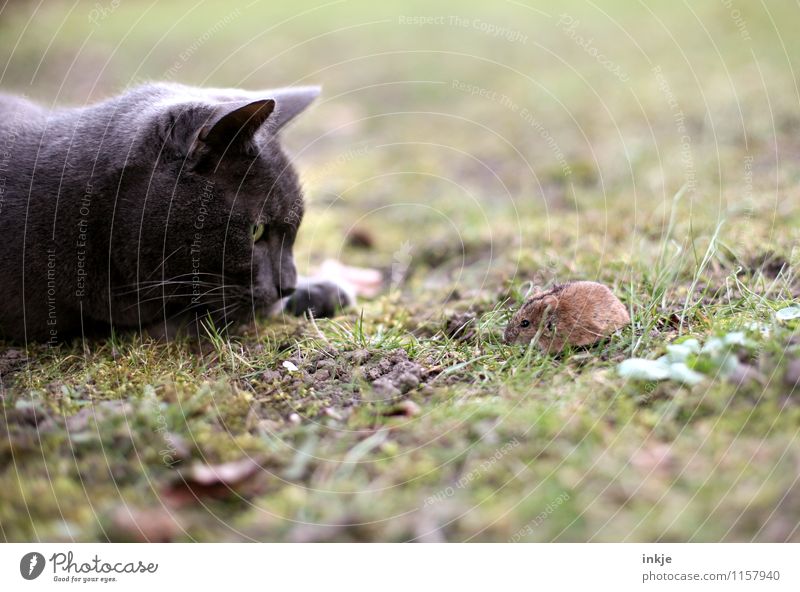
{"x": 163, "y": 261}
{"x": 169, "y": 298}
{"x": 233, "y": 288}
{"x": 157, "y": 285}
{"x": 177, "y": 278}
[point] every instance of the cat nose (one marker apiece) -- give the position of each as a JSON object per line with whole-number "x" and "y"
{"x": 285, "y": 277}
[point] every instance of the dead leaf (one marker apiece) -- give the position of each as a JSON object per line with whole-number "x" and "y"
{"x": 363, "y": 281}
{"x": 228, "y": 473}
{"x": 407, "y": 408}
{"x": 231, "y": 479}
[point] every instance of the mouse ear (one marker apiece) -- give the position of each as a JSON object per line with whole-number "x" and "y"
{"x": 533, "y": 290}
{"x": 551, "y": 302}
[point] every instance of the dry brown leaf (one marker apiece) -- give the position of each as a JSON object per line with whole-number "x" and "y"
{"x": 236, "y": 478}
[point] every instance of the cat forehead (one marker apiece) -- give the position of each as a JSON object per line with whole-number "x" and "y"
{"x": 267, "y": 177}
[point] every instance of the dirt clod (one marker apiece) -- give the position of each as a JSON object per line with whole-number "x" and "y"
{"x": 461, "y": 326}
{"x": 395, "y": 372}
{"x": 10, "y": 360}
{"x": 358, "y": 357}
{"x": 769, "y": 263}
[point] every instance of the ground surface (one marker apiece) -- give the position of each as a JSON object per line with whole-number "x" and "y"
{"x": 497, "y": 145}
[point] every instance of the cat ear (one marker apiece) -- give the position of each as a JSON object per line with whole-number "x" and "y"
{"x": 227, "y": 128}
{"x": 291, "y": 102}
{"x": 234, "y": 124}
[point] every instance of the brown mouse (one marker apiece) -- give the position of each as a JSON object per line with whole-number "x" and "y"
{"x": 575, "y": 313}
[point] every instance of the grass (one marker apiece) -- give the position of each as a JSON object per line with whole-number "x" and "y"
{"x": 676, "y": 187}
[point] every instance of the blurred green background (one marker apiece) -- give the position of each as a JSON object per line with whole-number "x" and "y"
{"x": 453, "y": 105}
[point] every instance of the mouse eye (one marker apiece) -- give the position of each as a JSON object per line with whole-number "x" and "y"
{"x": 257, "y": 230}
{"x": 525, "y": 323}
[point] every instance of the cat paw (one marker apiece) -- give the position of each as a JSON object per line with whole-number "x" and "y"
{"x": 319, "y": 299}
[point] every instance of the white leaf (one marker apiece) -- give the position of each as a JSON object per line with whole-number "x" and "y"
{"x": 728, "y": 364}
{"x": 788, "y": 313}
{"x": 641, "y": 369}
{"x": 762, "y": 328}
{"x": 679, "y": 352}
{"x": 290, "y": 366}
{"x": 680, "y": 372}
{"x": 692, "y": 343}
{"x": 736, "y": 338}
{"x": 713, "y": 346}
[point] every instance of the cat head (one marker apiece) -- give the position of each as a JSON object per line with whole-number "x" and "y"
{"x": 213, "y": 204}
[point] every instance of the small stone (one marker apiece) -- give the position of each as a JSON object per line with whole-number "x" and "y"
{"x": 426, "y": 390}
{"x": 406, "y": 381}
{"x": 359, "y": 356}
{"x": 384, "y": 389}
{"x": 326, "y": 363}
{"x": 322, "y": 375}
{"x": 270, "y": 376}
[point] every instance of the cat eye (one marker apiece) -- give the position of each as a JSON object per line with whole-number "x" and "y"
{"x": 525, "y": 323}
{"x": 258, "y": 231}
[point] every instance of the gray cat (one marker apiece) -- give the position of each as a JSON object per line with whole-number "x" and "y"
{"x": 149, "y": 211}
